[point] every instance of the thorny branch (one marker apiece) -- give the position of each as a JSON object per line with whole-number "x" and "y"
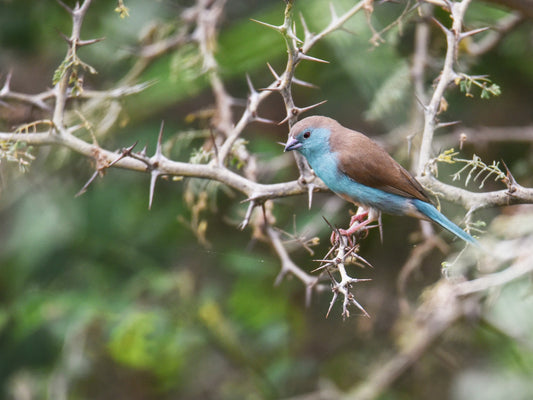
{"x": 447, "y": 75}
{"x": 71, "y": 61}
{"x": 342, "y": 253}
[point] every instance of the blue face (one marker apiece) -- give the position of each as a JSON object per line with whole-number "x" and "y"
{"x": 314, "y": 143}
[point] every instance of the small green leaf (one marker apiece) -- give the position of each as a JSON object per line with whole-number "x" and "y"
{"x": 495, "y": 89}
{"x": 61, "y": 70}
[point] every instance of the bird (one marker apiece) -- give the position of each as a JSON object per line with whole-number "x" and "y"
{"x": 360, "y": 171}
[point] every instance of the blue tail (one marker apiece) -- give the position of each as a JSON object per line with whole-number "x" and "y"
{"x": 433, "y": 214}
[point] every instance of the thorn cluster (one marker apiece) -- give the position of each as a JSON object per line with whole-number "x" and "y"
{"x": 343, "y": 251}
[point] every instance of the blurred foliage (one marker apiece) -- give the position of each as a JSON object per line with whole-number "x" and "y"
{"x": 101, "y": 298}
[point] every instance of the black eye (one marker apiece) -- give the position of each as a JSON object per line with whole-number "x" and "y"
{"x": 307, "y": 134}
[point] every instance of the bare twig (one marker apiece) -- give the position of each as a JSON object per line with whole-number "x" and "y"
{"x": 288, "y": 266}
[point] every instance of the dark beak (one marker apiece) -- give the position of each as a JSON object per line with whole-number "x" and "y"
{"x": 292, "y": 144}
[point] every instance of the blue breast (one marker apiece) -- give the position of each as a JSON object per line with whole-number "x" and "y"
{"x": 326, "y": 169}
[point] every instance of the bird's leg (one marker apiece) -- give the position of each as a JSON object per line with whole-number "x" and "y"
{"x": 360, "y": 220}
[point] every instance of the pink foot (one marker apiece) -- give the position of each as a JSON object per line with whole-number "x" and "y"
{"x": 357, "y": 222}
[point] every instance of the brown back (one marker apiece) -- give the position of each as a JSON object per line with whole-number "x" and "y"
{"x": 366, "y": 162}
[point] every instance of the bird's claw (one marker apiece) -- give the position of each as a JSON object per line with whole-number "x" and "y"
{"x": 336, "y": 236}
{"x": 350, "y": 236}
{"x": 358, "y": 222}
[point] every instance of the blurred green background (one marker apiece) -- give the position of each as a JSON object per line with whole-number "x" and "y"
{"x": 101, "y": 298}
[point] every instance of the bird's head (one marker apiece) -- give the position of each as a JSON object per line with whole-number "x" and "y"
{"x": 310, "y": 136}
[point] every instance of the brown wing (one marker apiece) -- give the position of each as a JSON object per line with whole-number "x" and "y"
{"x": 367, "y": 163}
